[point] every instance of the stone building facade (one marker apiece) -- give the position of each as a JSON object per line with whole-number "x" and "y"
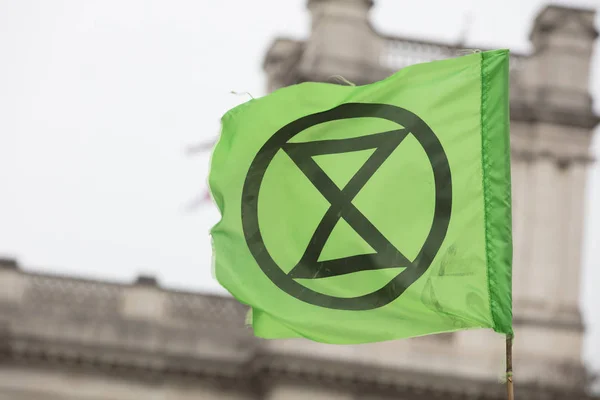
{"x": 69, "y": 339}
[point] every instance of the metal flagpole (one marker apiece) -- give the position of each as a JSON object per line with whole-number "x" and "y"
{"x": 509, "y": 371}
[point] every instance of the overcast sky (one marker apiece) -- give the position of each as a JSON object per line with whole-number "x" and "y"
{"x": 99, "y": 99}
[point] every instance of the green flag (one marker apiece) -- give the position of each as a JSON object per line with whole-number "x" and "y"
{"x": 354, "y": 214}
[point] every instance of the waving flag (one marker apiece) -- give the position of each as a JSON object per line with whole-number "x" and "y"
{"x": 370, "y": 213}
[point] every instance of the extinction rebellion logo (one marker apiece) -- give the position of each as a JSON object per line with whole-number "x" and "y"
{"x": 386, "y": 255}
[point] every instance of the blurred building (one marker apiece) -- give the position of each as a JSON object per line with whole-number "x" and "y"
{"x": 69, "y": 339}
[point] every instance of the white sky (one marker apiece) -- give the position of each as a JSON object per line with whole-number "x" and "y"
{"x": 99, "y": 99}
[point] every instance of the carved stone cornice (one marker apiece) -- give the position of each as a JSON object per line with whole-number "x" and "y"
{"x": 394, "y": 383}
{"x": 532, "y": 155}
{"x": 539, "y": 112}
{"x": 79, "y": 322}
{"x": 574, "y": 324}
{"x": 260, "y": 372}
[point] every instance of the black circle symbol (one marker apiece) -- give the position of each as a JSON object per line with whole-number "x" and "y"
{"x": 387, "y": 255}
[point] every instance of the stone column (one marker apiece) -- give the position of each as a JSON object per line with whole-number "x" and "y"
{"x": 520, "y": 199}
{"x": 545, "y": 251}
{"x": 572, "y": 231}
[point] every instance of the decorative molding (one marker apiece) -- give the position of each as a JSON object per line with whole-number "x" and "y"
{"x": 560, "y": 324}
{"x": 262, "y": 371}
{"x": 536, "y": 112}
{"x": 562, "y": 161}
{"x": 72, "y": 319}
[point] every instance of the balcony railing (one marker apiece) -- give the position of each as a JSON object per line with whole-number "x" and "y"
{"x": 400, "y": 53}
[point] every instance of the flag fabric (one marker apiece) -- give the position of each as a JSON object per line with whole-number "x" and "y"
{"x": 353, "y": 214}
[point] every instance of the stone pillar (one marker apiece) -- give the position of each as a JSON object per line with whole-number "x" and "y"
{"x": 546, "y": 246}
{"x": 557, "y": 74}
{"x": 551, "y": 134}
{"x": 520, "y": 172}
{"x": 573, "y": 228}
{"x": 552, "y": 137}
{"x": 144, "y": 301}
{"x": 342, "y": 42}
{"x": 12, "y": 283}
